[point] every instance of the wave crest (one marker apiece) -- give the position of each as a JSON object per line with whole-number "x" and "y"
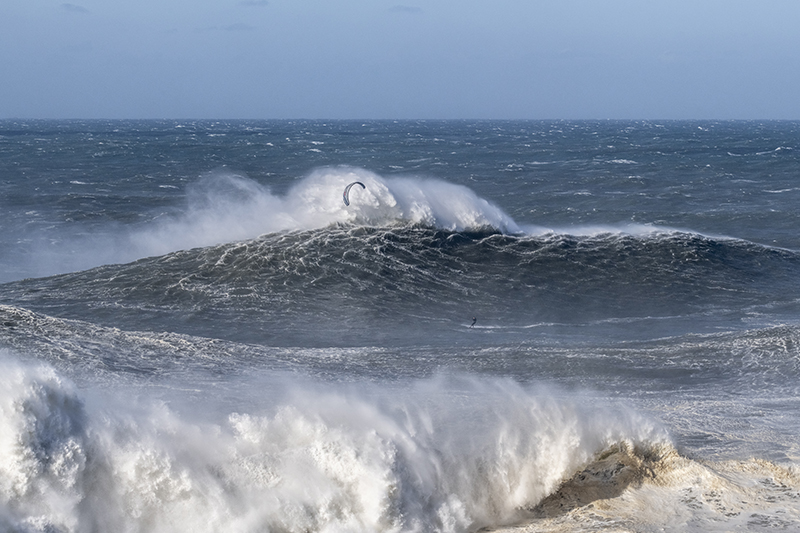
{"x": 226, "y": 207}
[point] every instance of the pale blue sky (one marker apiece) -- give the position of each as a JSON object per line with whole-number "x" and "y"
{"x": 400, "y": 59}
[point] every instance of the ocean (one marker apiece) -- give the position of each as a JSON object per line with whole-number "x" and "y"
{"x": 555, "y": 326}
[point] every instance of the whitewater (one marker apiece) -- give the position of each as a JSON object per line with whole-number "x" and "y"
{"x": 517, "y": 326}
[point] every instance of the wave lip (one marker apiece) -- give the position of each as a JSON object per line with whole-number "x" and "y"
{"x": 654, "y": 488}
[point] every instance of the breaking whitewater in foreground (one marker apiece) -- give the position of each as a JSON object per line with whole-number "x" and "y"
{"x": 291, "y": 453}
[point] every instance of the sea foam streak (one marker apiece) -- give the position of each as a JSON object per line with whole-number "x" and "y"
{"x": 448, "y": 454}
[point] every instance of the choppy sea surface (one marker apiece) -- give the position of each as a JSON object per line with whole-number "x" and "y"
{"x": 542, "y": 326}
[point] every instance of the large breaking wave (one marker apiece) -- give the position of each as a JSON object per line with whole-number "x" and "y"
{"x": 224, "y": 206}
{"x": 446, "y": 454}
{"x": 449, "y": 454}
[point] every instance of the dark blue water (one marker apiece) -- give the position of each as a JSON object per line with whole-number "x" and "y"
{"x": 593, "y": 285}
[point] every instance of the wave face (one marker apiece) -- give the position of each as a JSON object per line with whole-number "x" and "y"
{"x": 346, "y": 284}
{"x": 550, "y": 326}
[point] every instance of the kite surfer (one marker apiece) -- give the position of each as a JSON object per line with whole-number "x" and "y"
{"x": 346, "y": 193}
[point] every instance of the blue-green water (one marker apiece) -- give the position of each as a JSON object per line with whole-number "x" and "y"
{"x": 198, "y": 333}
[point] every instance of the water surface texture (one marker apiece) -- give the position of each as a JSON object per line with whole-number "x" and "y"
{"x": 543, "y": 326}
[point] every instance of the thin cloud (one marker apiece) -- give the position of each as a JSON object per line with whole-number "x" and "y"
{"x": 254, "y": 3}
{"x": 405, "y": 9}
{"x": 74, "y": 8}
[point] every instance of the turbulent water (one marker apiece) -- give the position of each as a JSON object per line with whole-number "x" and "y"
{"x": 545, "y": 326}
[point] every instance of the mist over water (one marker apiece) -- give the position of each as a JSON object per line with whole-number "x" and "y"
{"x": 223, "y": 206}
{"x": 571, "y": 325}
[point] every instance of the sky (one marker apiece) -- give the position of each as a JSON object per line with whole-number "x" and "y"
{"x": 400, "y": 59}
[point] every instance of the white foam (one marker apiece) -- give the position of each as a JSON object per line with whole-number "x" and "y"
{"x": 446, "y": 454}
{"x": 225, "y": 207}
{"x": 595, "y": 230}
{"x": 43, "y": 449}
{"x": 659, "y": 490}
